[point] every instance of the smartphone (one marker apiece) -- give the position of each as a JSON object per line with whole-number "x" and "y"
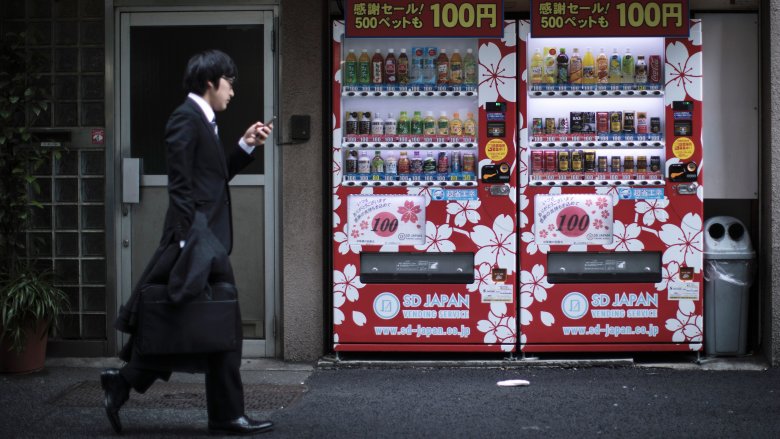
{"x": 270, "y": 121}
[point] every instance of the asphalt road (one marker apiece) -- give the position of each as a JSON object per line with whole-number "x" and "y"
{"x": 441, "y": 403}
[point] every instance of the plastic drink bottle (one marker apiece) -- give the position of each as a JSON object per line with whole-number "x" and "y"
{"x": 391, "y": 68}
{"x": 351, "y": 165}
{"x": 443, "y": 163}
{"x": 469, "y": 68}
{"x": 550, "y": 67}
{"x": 364, "y": 68}
{"x": 640, "y": 70}
{"x": 470, "y": 126}
{"x": 615, "y": 69}
{"x": 456, "y": 68}
{"x": 391, "y": 167}
{"x": 404, "y": 128}
{"x": 391, "y": 127}
{"x": 403, "y": 163}
{"x": 403, "y": 68}
{"x": 416, "y": 164}
{"x": 377, "y": 163}
{"x": 377, "y": 68}
{"x": 442, "y": 68}
{"x": 377, "y": 125}
{"x": 443, "y": 125}
{"x": 429, "y": 124}
{"x": 588, "y": 68}
{"x": 602, "y": 68}
{"x": 364, "y": 124}
{"x": 429, "y": 164}
{"x": 363, "y": 164}
{"x": 537, "y": 67}
{"x": 429, "y": 69}
{"x": 628, "y": 67}
{"x": 563, "y": 67}
{"x": 350, "y": 68}
{"x": 575, "y": 67}
{"x": 416, "y": 71}
{"x": 417, "y": 124}
{"x": 456, "y": 125}
{"x": 352, "y": 123}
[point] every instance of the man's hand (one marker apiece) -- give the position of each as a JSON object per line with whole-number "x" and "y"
{"x": 257, "y": 133}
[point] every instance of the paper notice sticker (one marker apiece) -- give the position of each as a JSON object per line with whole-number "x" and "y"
{"x": 683, "y": 290}
{"x": 497, "y": 293}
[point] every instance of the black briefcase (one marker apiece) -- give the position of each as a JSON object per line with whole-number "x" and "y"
{"x": 209, "y": 323}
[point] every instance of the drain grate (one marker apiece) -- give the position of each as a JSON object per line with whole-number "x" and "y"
{"x": 180, "y": 396}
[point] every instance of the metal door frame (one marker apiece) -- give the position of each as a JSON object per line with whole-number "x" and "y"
{"x": 118, "y": 147}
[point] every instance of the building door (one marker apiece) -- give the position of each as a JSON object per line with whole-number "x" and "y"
{"x": 152, "y": 50}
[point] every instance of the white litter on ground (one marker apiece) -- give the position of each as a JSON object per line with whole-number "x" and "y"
{"x": 513, "y": 383}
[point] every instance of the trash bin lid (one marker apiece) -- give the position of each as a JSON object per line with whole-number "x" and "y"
{"x": 725, "y": 237}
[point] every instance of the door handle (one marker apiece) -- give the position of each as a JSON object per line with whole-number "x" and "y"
{"x": 131, "y": 181}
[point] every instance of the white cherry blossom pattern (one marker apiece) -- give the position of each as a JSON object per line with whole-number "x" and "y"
{"x": 496, "y": 75}
{"x": 547, "y": 318}
{"x": 497, "y": 244}
{"x": 336, "y": 166}
{"x": 342, "y": 240}
{"x": 684, "y": 243}
{"x": 338, "y": 31}
{"x": 524, "y": 203}
{"x": 535, "y": 283}
{"x": 652, "y": 211}
{"x": 347, "y": 282}
{"x": 464, "y": 211}
{"x": 669, "y": 273}
{"x": 526, "y": 300}
{"x": 336, "y": 217}
{"x": 359, "y": 318}
{"x": 530, "y": 239}
{"x": 437, "y": 239}
{"x": 338, "y": 300}
{"x": 510, "y": 34}
{"x": 499, "y": 327}
{"x": 687, "y": 326}
{"x": 683, "y": 74}
{"x": 524, "y": 29}
{"x": 610, "y": 191}
{"x": 482, "y": 275}
{"x": 624, "y": 238}
{"x": 425, "y": 191}
{"x": 523, "y": 168}
{"x": 694, "y": 35}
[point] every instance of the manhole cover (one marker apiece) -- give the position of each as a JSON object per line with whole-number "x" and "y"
{"x": 180, "y": 396}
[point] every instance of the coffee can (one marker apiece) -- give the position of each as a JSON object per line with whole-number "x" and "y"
{"x": 641, "y": 163}
{"x": 563, "y": 125}
{"x": 655, "y": 163}
{"x": 616, "y": 122}
{"x": 616, "y": 164}
{"x": 590, "y": 161}
{"x": 538, "y": 126}
{"x": 602, "y": 166}
{"x": 549, "y": 125}
{"x": 628, "y": 163}
{"x": 654, "y": 69}
{"x": 602, "y": 122}
{"x": 550, "y": 161}
{"x": 655, "y": 125}
{"x": 563, "y": 161}
{"x": 537, "y": 161}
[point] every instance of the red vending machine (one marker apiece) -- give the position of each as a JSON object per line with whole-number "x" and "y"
{"x": 424, "y": 178}
{"x": 610, "y": 179}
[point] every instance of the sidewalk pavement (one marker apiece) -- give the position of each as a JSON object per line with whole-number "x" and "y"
{"x": 413, "y": 399}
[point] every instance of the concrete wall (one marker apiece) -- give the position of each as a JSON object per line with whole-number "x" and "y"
{"x": 770, "y": 15}
{"x": 301, "y": 180}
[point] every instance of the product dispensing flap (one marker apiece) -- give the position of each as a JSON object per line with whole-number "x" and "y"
{"x": 618, "y": 267}
{"x": 425, "y": 268}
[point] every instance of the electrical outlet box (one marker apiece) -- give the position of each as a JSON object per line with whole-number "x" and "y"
{"x": 299, "y": 127}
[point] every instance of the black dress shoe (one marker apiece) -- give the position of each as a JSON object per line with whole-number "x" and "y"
{"x": 240, "y": 426}
{"x": 117, "y": 390}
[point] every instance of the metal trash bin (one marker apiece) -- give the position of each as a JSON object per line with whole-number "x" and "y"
{"x": 728, "y": 274}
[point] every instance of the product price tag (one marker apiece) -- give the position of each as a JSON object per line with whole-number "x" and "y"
{"x": 386, "y": 219}
{"x": 573, "y": 219}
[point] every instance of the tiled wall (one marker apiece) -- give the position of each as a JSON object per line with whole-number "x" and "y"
{"x": 68, "y": 234}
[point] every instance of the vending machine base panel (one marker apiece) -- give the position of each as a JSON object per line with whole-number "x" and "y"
{"x": 421, "y": 348}
{"x": 616, "y": 347}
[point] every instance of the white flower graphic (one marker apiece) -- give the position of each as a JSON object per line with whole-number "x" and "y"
{"x": 338, "y": 31}
{"x": 624, "y": 238}
{"x": 687, "y": 327}
{"x": 695, "y": 33}
{"x": 338, "y": 171}
{"x": 525, "y": 29}
{"x": 526, "y": 300}
{"x": 464, "y": 211}
{"x": 499, "y": 328}
{"x": 496, "y": 245}
{"x": 437, "y": 239}
{"x": 510, "y": 34}
{"x": 683, "y": 74}
{"x": 338, "y": 315}
{"x": 347, "y": 282}
{"x": 610, "y": 191}
{"x": 496, "y": 75}
{"x": 547, "y": 318}
{"x": 425, "y": 191}
{"x": 524, "y": 202}
{"x": 359, "y": 318}
{"x": 652, "y": 211}
{"x": 684, "y": 243}
{"x": 482, "y": 275}
{"x": 336, "y": 204}
{"x": 532, "y": 247}
{"x": 535, "y": 283}
{"x": 342, "y": 239}
{"x": 669, "y": 273}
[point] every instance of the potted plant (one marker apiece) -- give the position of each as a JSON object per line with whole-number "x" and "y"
{"x": 29, "y": 301}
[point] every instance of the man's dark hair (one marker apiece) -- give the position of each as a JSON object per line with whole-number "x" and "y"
{"x": 207, "y": 66}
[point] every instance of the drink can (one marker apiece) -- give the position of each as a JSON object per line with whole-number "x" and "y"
{"x": 628, "y": 163}
{"x": 549, "y": 125}
{"x": 550, "y": 161}
{"x": 602, "y": 122}
{"x": 629, "y": 117}
{"x": 468, "y": 162}
{"x": 455, "y": 161}
{"x": 576, "y": 121}
{"x": 602, "y": 166}
{"x": 563, "y": 125}
{"x": 590, "y": 161}
{"x": 641, "y": 163}
{"x": 654, "y": 69}
{"x": 615, "y": 165}
{"x": 655, "y": 125}
{"x": 538, "y": 126}
{"x": 655, "y": 163}
{"x": 576, "y": 161}
{"x": 443, "y": 163}
{"x": 615, "y": 121}
{"x": 588, "y": 122}
{"x": 563, "y": 161}
{"x": 537, "y": 161}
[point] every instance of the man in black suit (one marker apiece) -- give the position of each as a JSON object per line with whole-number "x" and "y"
{"x": 199, "y": 170}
